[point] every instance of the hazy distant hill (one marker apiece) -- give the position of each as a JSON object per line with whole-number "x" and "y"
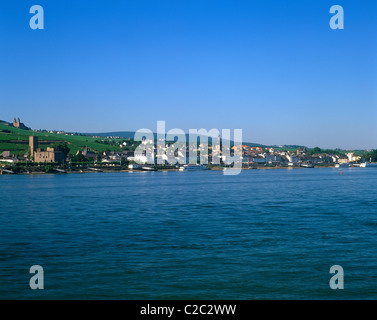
{"x": 122, "y": 134}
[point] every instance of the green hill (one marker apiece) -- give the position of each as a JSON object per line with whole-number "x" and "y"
{"x": 17, "y": 141}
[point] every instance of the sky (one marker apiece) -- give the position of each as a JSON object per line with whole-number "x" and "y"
{"x": 274, "y": 69}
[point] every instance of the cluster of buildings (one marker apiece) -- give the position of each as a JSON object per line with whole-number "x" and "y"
{"x": 116, "y": 157}
{"x": 213, "y": 153}
{"x": 270, "y": 156}
{"x": 34, "y": 154}
{"x": 49, "y": 155}
{"x": 251, "y": 156}
{"x": 9, "y": 157}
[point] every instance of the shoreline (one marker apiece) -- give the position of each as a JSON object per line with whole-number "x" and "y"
{"x": 82, "y": 171}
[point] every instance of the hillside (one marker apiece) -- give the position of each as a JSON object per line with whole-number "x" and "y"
{"x": 17, "y": 141}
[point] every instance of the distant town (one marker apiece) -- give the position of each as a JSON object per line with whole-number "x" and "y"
{"x": 23, "y": 150}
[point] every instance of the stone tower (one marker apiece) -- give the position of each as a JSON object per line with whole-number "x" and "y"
{"x": 33, "y": 145}
{"x": 16, "y": 123}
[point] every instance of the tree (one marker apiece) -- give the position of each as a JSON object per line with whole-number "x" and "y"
{"x": 78, "y": 158}
{"x": 48, "y": 169}
{"x": 372, "y": 156}
{"x": 63, "y": 147}
{"x": 317, "y": 150}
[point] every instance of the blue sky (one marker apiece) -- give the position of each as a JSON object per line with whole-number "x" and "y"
{"x": 272, "y": 68}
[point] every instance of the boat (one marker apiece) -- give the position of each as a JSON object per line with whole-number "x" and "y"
{"x": 360, "y": 165}
{"x": 60, "y": 170}
{"x": 307, "y": 165}
{"x": 353, "y": 165}
{"x": 342, "y": 165}
{"x": 148, "y": 168}
{"x": 192, "y": 167}
{"x": 6, "y": 171}
{"x": 371, "y": 164}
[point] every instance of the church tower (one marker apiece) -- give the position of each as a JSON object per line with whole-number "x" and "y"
{"x": 16, "y": 123}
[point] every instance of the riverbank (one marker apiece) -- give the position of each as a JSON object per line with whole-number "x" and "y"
{"x": 41, "y": 170}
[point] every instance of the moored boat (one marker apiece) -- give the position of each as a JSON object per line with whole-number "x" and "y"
{"x": 306, "y": 165}
{"x": 145, "y": 168}
{"x": 193, "y": 167}
{"x": 342, "y": 165}
{"x": 371, "y": 164}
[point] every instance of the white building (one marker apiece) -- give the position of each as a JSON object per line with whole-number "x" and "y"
{"x": 351, "y": 157}
{"x": 292, "y": 159}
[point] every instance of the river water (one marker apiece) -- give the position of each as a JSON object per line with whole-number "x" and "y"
{"x": 263, "y": 234}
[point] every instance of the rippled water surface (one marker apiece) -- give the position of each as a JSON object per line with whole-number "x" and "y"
{"x": 263, "y": 234}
